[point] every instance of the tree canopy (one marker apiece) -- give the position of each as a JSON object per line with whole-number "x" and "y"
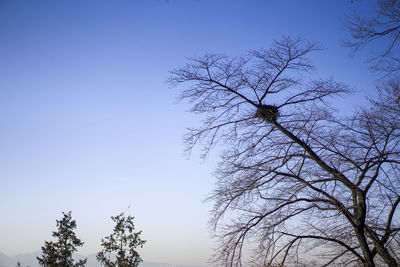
{"x": 120, "y": 248}
{"x": 383, "y": 25}
{"x": 295, "y": 178}
{"x": 59, "y": 253}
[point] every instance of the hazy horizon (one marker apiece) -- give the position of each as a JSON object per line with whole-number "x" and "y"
{"x": 29, "y": 259}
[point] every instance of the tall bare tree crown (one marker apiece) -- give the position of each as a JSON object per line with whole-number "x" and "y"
{"x": 294, "y": 178}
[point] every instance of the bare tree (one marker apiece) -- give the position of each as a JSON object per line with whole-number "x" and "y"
{"x": 381, "y": 28}
{"x": 295, "y": 181}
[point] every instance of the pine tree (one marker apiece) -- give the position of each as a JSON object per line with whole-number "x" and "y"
{"x": 122, "y": 244}
{"x": 59, "y": 253}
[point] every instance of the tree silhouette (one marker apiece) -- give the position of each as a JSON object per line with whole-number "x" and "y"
{"x": 295, "y": 179}
{"x": 59, "y": 253}
{"x": 384, "y": 25}
{"x": 119, "y": 248}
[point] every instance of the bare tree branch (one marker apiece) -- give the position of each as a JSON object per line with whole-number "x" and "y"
{"x": 293, "y": 172}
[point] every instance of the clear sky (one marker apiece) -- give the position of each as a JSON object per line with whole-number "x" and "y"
{"x": 88, "y": 124}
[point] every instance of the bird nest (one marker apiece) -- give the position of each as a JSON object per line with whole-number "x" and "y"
{"x": 267, "y": 112}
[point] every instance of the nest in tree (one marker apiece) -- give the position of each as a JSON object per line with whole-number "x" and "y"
{"x": 267, "y": 112}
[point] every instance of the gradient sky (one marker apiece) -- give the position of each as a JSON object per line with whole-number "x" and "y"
{"x": 88, "y": 124}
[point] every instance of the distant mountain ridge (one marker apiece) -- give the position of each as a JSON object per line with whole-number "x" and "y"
{"x": 29, "y": 259}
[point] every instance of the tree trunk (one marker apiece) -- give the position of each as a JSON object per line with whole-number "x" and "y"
{"x": 369, "y": 258}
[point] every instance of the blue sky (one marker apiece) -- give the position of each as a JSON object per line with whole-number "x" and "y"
{"x": 88, "y": 124}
